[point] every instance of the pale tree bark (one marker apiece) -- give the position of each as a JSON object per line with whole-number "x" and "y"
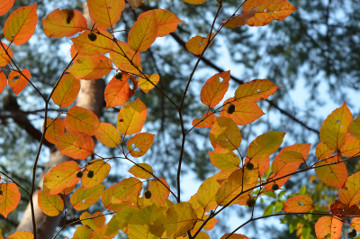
{"x": 91, "y": 96}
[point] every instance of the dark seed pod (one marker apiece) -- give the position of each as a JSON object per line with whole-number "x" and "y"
{"x": 69, "y": 15}
{"x": 231, "y": 109}
{"x": 79, "y": 174}
{"x": 92, "y": 36}
{"x": 250, "y": 202}
{"x": 147, "y": 194}
{"x": 250, "y": 166}
{"x": 275, "y": 186}
{"x": 352, "y": 233}
{"x": 1, "y": 192}
{"x": 118, "y": 76}
{"x": 90, "y": 174}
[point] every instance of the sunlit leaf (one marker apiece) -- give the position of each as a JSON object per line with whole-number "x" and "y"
{"x": 93, "y": 43}
{"x": 100, "y": 171}
{"x": 328, "y": 227}
{"x": 225, "y": 135}
{"x": 234, "y": 236}
{"x": 63, "y": 23}
{"x": 148, "y": 84}
{"x": 141, "y": 170}
{"x": 82, "y": 232}
{"x": 21, "y": 24}
{"x": 125, "y": 189}
{"x": 118, "y": 91}
{"x": 66, "y": 91}
{"x": 131, "y": 117}
{"x": 143, "y": 33}
{"x": 159, "y": 193}
{"x": 75, "y": 145}
{"x": 135, "y": 3}
{"x": 9, "y": 198}
{"x": 94, "y": 221}
{"x": 204, "y": 122}
{"x": 351, "y": 147}
{"x": 215, "y": 88}
{"x": 255, "y": 90}
{"x": 5, "y": 6}
{"x": 355, "y": 223}
{"x": 298, "y": 204}
{"x": 84, "y": 198}
{"x": 91, "y": 67}
{"x": 5, "y": 52}
{"x": 197, "y": 44}
{"x": 125, "y": 58}
{"x": 195, "y": 2}
{"x": 240, "y": 19}
{"x": 108, "y": 135}
{"x": 105, "y": 13}
{"x": 18, "y": 81}
{"x": 51, "y": 205}
{"x": 332, "y": 175}
{"x": 265, "y": 145}
{"x": 354, "y": 127}
{"x": 244, "y": 112}
{"x": 21, "y": 235}
{"x": 322, "y": 151}
{"x": 79, "y": 119}
{"x": 3, "y": 81}
{"x": 350, "y": 193}
{"x": 180, "y": 218}
{"x": 120, "y": 220}
{"x": 206, "y": 194}
{"x": 224, "y": 161}
{"x": 139, "y": 144}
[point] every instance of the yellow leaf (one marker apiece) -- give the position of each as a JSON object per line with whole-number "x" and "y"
{"x": 350, "y": 193}
{"x": 49, "y": 204}
{"x": 147, "y": 84}
{"x": 225, "y": 135}
{"x": 141, "y": 170}
{"x": 143, "y": 33}
{"x": 100, "y": 171}
{"x": 224, "y": 161}
{"x": 255, "y": 90}
{"x": 180, "y": 218}
{"x": 206, "y": 194}
{"x": 83, "y": 198}
{"x": 79, "y": 119}
{"x": 9, "y": 198}
{"x": 139, "y": 144}
{"x": 66, "y": 91}
{"x": 159, "y": 193}
{"x": 75, "y": 145}
{"x": 265, "y": 145}
{"x": 194, "y": 2}
{"x": 108, "y": 135}
{"x": 21, "y": 235}
{"x": 131, "y": 117}
{"x": 298, "y": 204}
{"x": 125, "y": 189}
{"x": 91, "y": 67}
{"x": 94, "y": 221}
{"x": 215, "y": 88}
{"x": 197, "y": 44}
{"x": 354, "y": 127}
{"x": 5, "y": 52}
{"x": 105, "y": 13}
{"x": 93, "y": 43}
{"x": 125, "y": 58}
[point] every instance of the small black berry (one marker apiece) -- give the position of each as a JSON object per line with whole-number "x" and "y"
{"x": 118, "y": 76}
{"x": 250, "y": 166}
{"x": 352, "y": 233}
{"x": 147, "y": 194}
{"x": 92, "y": 36}
{"x": 250, "y": 202}
{"x": 1, "y": 192}
{"x": 275, "y": 186}
{"x": 79, "y": 174}
{"x": 231, "y": 109}
{"x": 90, "y": 174}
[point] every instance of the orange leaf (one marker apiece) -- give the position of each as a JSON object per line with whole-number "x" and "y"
{"x": 139, "y": 144}
{"x": 350, "y": 193}
{"x": 298, "y": 204}
{"x": 17, "y": 81}
{"x": 141, "y": 170}
{"x": 75, "y": 145}
{"x": 159, "y": 193}
{"x": 334, "y": 129}
{"x": 180, "y": 218}
{"x": 351, "y": 147}
{"x": 265, "y": 145}
{"x": 100, "y": 171}
{"x": 93, "y": 43}
{"x": 267, "y": 11}
{"x": 204, "y": 122}
{"x": 63, "y": 23}
{"x": 125, "y": 58}
{"x": 131, "y": 117}
{"x": 91, "y": 67}
{"x": 66, "y": 91}
{"x": 94, "y": 221}
{"x": 355, "y": 223}
{"x": 234, "y": 236}
{"x": 61, "y": 177}
{"x": 197, "y": 44}
{"x": 224, "y": 161}
{"x": 225, "y": 135}
{"x": 332, "y": 175}
{"x": 215, "y": 88}
{"x": 21, "y": 235}
{"x": 135, "y": 3}
{"x": 54, "y": 128}
{"x": 240, "y": 19}
{"x": 5, "y": 6}
{"x": 195, "y": 2}
{"x": 108, "y": 135}
{"x": 143, "y": 33}
{"x": 354, "y": 127}
{"x": 322, "y": 151}
{"x": 79, "y": 119}
{"x": 206, "y": 194}
{"x": 4, "y": 58}
{"x": 148, "y": 84}
{"x": 125, "y": 189}
{"x": 83, "y": 198}
{"x": 3, "y": 81}
{"x": 255, "y": 90}
{"x": 328, "y": 227}
{"x": 118, "y": 91}
{"x": 49, "y": 204}
{"x": 105, "y": 13}
{"x": 244, "y": 112}
{"x": 9, "y": 198}
{"x": 21, "y": 24}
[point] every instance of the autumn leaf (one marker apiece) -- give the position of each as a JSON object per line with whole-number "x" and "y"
{"x": 18, "y": 81}
{"x": 244, "y": 112}
{"x": 224, "y": 161}
{"x": 125, "y": 189}
{"x": 5, "y": 6}
{"x": 54, "y": 128}
{"x": 5, "y": 52}
{"x": 66, "y": 91}
{"x": 94, "y": 221}
{"x": 83, "y": 198}
{"x": 322, "y": 151}
{"x": 255, "y": 90}
{"x": 180, "y": 218}
{"x": 215, "y": 88}
{"x": 135, "y": 3}
{"x": 51, "y": 205}
{"x": 82, "y": 232}
{"x": 9, "y": 198}
{"x": 100, "y": 170}
{"x": 197, "y": 44}
{"x": 79, "y": 119}
{"x": 3, "y": 81}
{"x": 21, "y": 235}
{"x": 120, "y": 220}
{"x": 90, "y": 67}
{"x": 206, "y": 121}
{"x": 159, "y": 193}
{"x": 354, "y": 127}
{"x": 125, "y": 58}
{"x": 298, "y": 204}
{"x": 149, "y": 82}
{"x": 108, "y": 135}
{"x": 141, "y": 170}
{"x": 118, "y": 91}
{"x": 139, "y": 144}
{"x": 328, "y": 227}
{"x": 333, "y": 175}
{"x": 349, "y": 194}
{"x": 105, "y": 13}
{"x": 131, "y": 117}
{"x": 75, "y": 145}
{"x": 225, "y": 135}
{"x": 206, "y": 194}
{"x": 234, "y": 236}
{"x": 20, "y": 25}
{"x": 351, "y": 147}
{"x": 143, "y": 33}
{"x": 240, "y": 19}
{"x": 265, "y": 145}
{"x": 63, "y": 23}
{"x": 93, "y": 43}
{"x": 195, "y": 2}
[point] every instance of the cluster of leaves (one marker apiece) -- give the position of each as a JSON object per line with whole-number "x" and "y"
{"x": 140, "y": 205}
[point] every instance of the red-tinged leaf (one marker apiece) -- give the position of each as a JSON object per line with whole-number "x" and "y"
{"x": 354, "y": 127}
{"x": 3, "y": 81}
{"x": 61, "y": 177}
{"x": 9, "y": 199}
{"x": 5, "y": 6}
{"x": 234, "y": 236}
{"x": 105, "y": 13}
{"x": 204, "y": 122}
{"x": 91, "y": 67}
{"x": 284, "y": 158}
{"x": 159, "y": 193}
{"x": 125, "y": 189}
{"x": 82, "y": 232}
{"x": 322, "y": 151}
{"x": 265, "y": 145}
{"x": 143, "y": 33}
{"x": 197, "y": 44}
{"x": 225, "y": 135}
{"x": 194, "y": 2}
{"x": 181, "y": 217}
{"x": 5, "y": 52}
{"x": 334, "y": 129}
{"x": 328, "y": 227}
{"x": 49, "y": 204}
{"x": 141, "y": 170}
{"x": 94, "y": 221}
{"x": 100, "y": 171}
{"x": 350, "y": 193}
{"x": 244, "y": 113}
{"x": 267, "y": 11}
{"x": 84, "y": 198}
{"x": 215, "y": 88}
{"x": 255, "y": 90}
{"x": 139, "y": 144}
{"x": 63, "y": 23}
{"x": 132, "y": 117}
{"x": 334, "y": 175}
{"x": 351, "y": 147}
{"x": 210, "y": 225}
{"x": 148, "y": 83}
{"x": 135, "y": 3}
{"x": 298, "y": 204}
{"x": 120, "y": 220}
{"x": 79, "y": 119}
{"x": 18, "y": 81}
{"x": 21, "y": 235}
{"x": 108, "y": 135}
{"x": 224, "y": 161}
{"x": 21, "y": 24}
{"x": 206, "y": 194}
{"x": 102, "y": 44}
{"x": 240, "y": 19}
{"x": 66, "y": 91}
{"x": 118, "y": 91}
{"x": 355, "y": 223}
{"x": 203, "y": 235}
{"x": 75, "y": 145}
{"x": 54, "y": 128}
{"x": 125, "y": 58}
{"x": 166, "y": 21}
